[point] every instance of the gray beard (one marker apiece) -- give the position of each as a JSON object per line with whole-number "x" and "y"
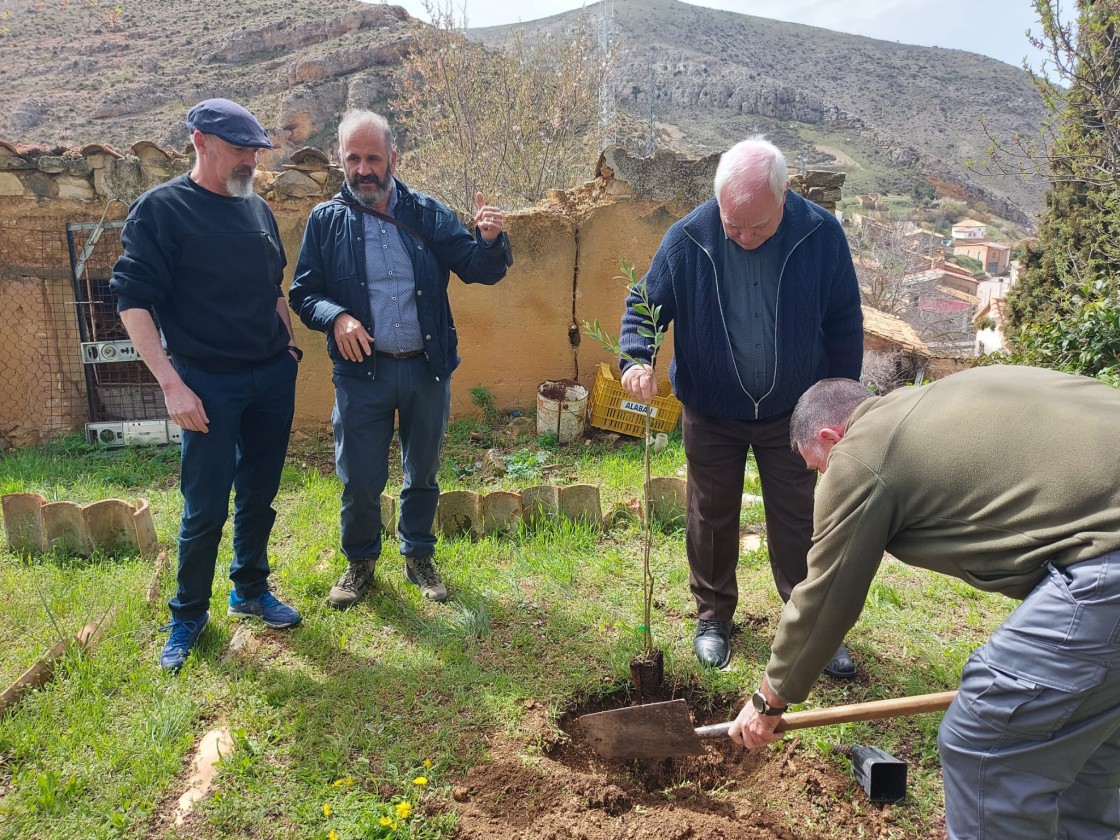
{"x": 240, "y": 186}
{"x": 370, "y": 195}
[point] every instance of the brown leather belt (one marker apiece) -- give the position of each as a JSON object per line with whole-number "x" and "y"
{"x": 407, "y": 354}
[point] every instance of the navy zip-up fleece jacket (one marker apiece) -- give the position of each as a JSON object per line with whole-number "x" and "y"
{"x": 819, "y": 323}
{"x": 330, "y": 276}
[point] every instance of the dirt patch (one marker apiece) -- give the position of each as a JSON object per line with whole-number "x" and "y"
{"x": 839, "y": 157}
{"x": 567, "y": 791}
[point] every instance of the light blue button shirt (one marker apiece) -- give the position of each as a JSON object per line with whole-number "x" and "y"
{"x": 391, "y": 285}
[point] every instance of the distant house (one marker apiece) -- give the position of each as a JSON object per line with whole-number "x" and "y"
{"x": 893, "y": 352}
{"x": 924, "y": 241}
{"x": 969, "y": 229}
{"x": 989, "y": 320}
{"x": 940, "y": 305}
{"x": 954, "y": 277}
{"x": 994, "y": 256}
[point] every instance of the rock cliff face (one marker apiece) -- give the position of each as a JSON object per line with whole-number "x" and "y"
{"x": 74, "y": 78}
{"x": 902, "y": 114}
{"x": 274, "y": 39}
{"x": 905, "y": 115}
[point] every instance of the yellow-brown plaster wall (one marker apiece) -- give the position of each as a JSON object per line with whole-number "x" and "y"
{"x": 624, "y": 231}
{"x": 512, "y": 336}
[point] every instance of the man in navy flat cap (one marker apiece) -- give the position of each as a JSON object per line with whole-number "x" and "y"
{"x": 203, "y": 260}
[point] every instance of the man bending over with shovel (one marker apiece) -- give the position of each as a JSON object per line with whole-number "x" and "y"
{"x": 1031, "y": 746}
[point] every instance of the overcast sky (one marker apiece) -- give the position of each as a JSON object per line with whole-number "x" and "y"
{"x": 995, "y": 28}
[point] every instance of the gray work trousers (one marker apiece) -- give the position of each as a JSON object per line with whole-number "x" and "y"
{"x": 1030, "y": 749}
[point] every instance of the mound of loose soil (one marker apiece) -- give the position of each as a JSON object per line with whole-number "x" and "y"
{"x": 568, "y": 792}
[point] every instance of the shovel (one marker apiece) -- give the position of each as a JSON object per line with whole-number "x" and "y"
{"x": 660, "y": 730}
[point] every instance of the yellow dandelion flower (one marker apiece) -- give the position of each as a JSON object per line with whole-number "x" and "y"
{"x": 332, "y": 835}
{"x": 346, "y": 782}
{"x": 404, "y": 810}
{"x": 420, "y": 781}
{"x": 427, "y": 764}
{"x": 326, "y": 809}
{"x": 386, "y": 821}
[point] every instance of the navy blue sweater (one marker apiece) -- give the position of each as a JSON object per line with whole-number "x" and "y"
{"x": 210, "y": 267}
{"x": 819, "y": 329}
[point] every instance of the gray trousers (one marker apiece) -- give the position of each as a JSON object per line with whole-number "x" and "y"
{"x": 1031, "y": 746}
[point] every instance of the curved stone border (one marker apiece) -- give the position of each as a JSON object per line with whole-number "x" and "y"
{"x": 478, "y": 514}
{"x": 35, "y": 526}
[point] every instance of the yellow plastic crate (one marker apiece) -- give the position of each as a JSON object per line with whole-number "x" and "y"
{"x": 613, "y": 409}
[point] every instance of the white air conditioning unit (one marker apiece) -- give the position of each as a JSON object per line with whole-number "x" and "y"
{"x": 105, "y": 434}
{"x": 100, "y": 352}
{"x": 133, "y": 433}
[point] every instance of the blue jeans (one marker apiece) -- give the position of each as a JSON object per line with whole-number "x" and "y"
{"x": 363, "y": 419}
{"x": 1030, "y": 749}
{"x": 250, "y": 420}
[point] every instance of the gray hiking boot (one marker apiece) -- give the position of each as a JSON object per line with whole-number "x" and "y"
{"x": 354, "y": 581}
{"x": 420, "y": 572}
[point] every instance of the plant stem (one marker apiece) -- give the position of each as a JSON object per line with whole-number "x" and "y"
{"x": 647, "y": 575}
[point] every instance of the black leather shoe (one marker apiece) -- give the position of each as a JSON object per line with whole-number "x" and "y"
{"x": 712, "y": 642}
{"x": 841, "y": 667}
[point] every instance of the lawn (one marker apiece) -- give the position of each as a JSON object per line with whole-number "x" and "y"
{"x": 405, "y": 718}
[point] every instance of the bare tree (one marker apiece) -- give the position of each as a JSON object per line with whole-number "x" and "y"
{"x": 510, "y": 123}
{"x": 884, "y": 255}
{"x": 896, "y": 265}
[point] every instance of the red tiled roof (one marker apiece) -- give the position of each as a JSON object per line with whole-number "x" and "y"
{"x": 928, "y": 303}
{"x": 892, "y": 329}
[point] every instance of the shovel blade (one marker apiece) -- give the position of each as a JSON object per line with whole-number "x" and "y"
{"x": 654, "y": 730}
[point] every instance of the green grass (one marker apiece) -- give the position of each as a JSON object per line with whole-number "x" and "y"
{"x": 346, "y": 710}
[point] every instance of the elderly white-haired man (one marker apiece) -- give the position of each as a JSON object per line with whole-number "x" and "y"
{"x": 760, "y": 287}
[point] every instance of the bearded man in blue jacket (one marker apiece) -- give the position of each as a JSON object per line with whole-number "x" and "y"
{"x": 372, "y": 274}
{"x": 760, "y": 287}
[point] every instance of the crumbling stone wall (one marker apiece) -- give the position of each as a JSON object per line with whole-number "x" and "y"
{"x": 512, "y": 336}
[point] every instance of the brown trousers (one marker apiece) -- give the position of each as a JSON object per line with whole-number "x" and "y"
{"x": 716, "y": 453}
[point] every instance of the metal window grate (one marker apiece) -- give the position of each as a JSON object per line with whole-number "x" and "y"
{"x": 118, "y": 384}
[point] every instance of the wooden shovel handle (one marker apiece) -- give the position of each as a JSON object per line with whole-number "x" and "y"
{"x": 871, "y": 710}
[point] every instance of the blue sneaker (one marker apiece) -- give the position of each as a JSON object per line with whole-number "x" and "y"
{"x": 272, "y": 610}
{"x": 183, "y": 637}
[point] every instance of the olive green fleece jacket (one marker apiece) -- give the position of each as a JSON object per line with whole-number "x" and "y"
{"x": 985, "y": 475}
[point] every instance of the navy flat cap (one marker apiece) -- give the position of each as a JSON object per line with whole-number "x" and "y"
{"x": 229, "y": 121}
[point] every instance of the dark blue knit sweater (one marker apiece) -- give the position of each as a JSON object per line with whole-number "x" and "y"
{"x": 210, "y": 267}
{"x": 819, "y": 330}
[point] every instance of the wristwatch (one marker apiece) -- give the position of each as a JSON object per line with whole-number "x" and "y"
{"x": 764, "y": 708}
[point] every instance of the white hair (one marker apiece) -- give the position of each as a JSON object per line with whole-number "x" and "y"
{"x": 749, "y": 167}
{"x": 356, "y": 117}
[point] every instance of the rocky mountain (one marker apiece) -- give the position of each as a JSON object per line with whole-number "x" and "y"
{"x": 78, "y": 73}
{"x": 895, "y": 117}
